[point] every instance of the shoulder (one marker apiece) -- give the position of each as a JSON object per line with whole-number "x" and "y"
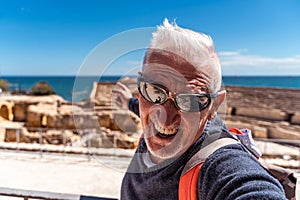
{"x": 230, "y": 159}
{"x": 231, "y": 151}
{"x": 231, "y": 172}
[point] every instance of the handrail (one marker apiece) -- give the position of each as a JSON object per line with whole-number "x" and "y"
{"x": 32, "y": 194}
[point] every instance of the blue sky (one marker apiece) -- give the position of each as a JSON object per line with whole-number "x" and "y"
{"x": 69, "y": 37}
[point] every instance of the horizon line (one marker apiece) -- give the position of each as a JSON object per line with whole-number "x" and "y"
{"x": 114, "y": 75}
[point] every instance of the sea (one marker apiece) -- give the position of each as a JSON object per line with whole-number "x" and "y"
{"x": 73, "y": 88}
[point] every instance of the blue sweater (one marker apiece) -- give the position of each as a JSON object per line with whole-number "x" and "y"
{"x": 229, "y": 173}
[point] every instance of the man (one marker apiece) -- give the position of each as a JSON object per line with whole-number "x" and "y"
{"x": 180, "y": 93}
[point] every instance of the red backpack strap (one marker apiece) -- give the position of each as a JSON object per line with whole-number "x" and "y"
{"x": 188, "y": 182}
{"x": 236, "y": 131}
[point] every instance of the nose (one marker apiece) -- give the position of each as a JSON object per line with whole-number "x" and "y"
{"x": 167, "y": 113}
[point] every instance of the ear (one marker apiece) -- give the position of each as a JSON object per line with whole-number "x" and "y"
{"x": 217, "y": 102}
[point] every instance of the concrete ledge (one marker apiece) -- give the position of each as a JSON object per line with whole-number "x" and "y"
{"x": 67, "y": 149}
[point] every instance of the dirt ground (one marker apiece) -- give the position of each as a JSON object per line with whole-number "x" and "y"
{"x": 61, "y": 173}
{"x": 75, "y": 174}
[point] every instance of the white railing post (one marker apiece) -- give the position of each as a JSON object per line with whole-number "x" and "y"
{"x": 64, "y": 142}
{"x": 89, "y": 145}
{"x": 18, "y": 138}
{"x": 41, "y": 142}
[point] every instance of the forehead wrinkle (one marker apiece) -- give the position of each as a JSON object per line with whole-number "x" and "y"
{"x": 177, "y": 65}
{"x": 163, "y": 56}
{"x": 200, "y": 85}
{"x": 174, "y": 62}
{"x": 165, "y": 75}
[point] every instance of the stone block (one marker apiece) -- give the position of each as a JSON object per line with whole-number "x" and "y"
{"x": 283, "y": 133}
{"x": 90, "y": 121}
{"x": 104, "y": 119}
{"x": 52, "y": 121}
{"x": 2, "y": 134}
{"x": 125, "y": 121}
{"x": 237, "y": 124}
{"x": 257, "y": 131}
{"x": 37, "y": 114}
{"x": 229, "y": 110}
{"x": 68, "y": 122}
{"x": 267, "y": 114}
{"x": 125, "y": 141}
{"x": 20, "y": 111}
{"x": 91, "y": 139}
{"x": 107, "y": 142}
{"x": 296, "y": 118}
{"x": 15, "y": 135}
{"x": 86, "y": 121}
{"x": 33, "y": 119}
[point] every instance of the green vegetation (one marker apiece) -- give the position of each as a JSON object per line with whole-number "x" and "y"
{"x": 41, "y": 88}
{"x": 4, "y": 85}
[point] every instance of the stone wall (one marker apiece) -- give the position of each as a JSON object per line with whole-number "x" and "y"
{"x": 50, "y": 117}
{"x": 269, "y": 113}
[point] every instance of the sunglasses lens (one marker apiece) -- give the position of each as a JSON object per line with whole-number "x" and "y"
{"x": 185, "y": 102}
{"x": 192, "y": 103}
{"x": 152, "y": 93}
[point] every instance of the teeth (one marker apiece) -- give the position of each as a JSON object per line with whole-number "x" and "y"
{"x": 162, "y": 130}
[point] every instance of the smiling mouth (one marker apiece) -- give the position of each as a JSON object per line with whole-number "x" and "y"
{"x": 164, "y": 132}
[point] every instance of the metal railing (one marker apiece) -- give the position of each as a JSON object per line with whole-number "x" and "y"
{"x": 64, "y": 149}
{"x": 87, "y": 150}
{"x": 83, "y": 147}
{"x": 31, "y": 194}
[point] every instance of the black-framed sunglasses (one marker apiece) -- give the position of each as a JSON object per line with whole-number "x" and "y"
{"x": 156, "y": 94}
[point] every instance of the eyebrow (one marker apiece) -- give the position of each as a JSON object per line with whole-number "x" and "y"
{"x": 157, "y": 84}
{"x": 203, "y": 89}
{"x": 168, "y": 90}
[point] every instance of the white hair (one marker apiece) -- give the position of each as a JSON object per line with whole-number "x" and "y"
{"x": 196, "y": 48}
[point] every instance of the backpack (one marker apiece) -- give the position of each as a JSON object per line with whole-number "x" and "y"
{"x": 189, "y": 177}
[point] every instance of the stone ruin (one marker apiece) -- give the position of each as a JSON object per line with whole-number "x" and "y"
{"x": 52, "y": 120}
{"x": 268, "y": 112}
{"x": 98, "y": 122}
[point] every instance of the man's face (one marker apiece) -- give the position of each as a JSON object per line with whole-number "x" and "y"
{"x": 168, "y": 131}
